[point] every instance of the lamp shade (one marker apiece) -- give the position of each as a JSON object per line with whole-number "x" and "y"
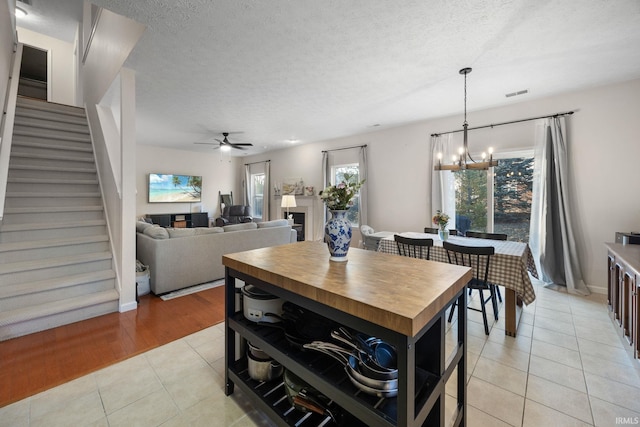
{"x": 288, "y": 201}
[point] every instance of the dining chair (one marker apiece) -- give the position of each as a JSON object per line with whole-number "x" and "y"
{"x": 432, "y": 230}
{"x": 414, "y": 248}
{"x": 478, "y": 258}
{"x": 491, "y": 236}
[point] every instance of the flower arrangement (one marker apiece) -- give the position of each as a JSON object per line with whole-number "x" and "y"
{"x": 441, "y": 219}
{"x": 338, "y": 197}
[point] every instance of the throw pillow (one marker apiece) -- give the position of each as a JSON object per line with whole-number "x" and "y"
{"x": 156, "y": 232}
{"x": 238, "y": 227}
{"x": 181, "y": 232}
{"x": 141, "y": 226}
{"x": 206, "y": 230}
{"x": 273, "y": 223}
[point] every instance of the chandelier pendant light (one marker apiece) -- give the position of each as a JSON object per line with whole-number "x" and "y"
{"x": 460, "y": 161}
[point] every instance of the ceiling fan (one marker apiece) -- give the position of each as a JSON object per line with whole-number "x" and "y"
{"x": 225, "y": 145}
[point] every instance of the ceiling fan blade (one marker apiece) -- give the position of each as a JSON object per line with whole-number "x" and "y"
{"x": 241, "y": 145}
{"x": 206, "y": 143}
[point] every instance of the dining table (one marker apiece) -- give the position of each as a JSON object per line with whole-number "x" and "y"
{"x": 510, "y": 267}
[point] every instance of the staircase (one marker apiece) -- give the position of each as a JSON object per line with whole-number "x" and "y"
{"x": 55, "y": 257}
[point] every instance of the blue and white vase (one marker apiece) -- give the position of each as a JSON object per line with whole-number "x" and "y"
{"x": 337, "y": 234}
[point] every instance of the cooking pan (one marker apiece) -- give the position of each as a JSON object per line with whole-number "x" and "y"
{"x": 368, "y": 365}
{"x": 351, "y": 364}
{"x": 305, "y": 398}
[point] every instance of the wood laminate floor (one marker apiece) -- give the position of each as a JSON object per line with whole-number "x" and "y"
{"x": 40, "y": 361}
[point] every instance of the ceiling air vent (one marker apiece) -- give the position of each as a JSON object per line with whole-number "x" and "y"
{"x": 520, "y": 92}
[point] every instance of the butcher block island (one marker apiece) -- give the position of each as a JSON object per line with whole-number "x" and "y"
{"x": 382, "y": 302}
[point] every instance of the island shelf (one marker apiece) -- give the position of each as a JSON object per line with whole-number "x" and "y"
{"x": 329, "y": 290}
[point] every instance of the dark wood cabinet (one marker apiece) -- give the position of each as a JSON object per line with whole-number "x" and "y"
{"x": 181, "y": 220}
{"x": 622, "y": 291}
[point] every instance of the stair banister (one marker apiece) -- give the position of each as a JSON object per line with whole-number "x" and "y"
{"x": 6, "y": 127}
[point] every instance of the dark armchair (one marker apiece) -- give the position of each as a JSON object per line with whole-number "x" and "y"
{"x": 234, "y": 214}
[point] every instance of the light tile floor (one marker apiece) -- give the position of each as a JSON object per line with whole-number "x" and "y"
{"x": 567, "y": 367}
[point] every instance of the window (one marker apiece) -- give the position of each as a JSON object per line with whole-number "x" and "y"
{"x": 337, "y": 176}
{"x": 498, "y": 200}
{"x": 257, "y": 194}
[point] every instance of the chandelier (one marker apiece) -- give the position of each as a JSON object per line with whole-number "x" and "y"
{"x": 460, "y": 161}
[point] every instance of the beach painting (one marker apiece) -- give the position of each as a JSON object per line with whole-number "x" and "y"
{"x": 167, "y": 188}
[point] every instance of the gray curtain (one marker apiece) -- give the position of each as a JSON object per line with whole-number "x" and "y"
{"x": 552, "y": 230}
{"x": 442, "y": 182}
{"x": 362, "y": 161}
{"x": 248, "y": 189}
{"x": 326, "y": 181}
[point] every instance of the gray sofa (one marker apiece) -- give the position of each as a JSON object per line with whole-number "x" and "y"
{"x": 182, "y": 257}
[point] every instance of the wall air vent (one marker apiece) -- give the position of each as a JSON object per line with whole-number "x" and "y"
{"x": 520, "y": 92}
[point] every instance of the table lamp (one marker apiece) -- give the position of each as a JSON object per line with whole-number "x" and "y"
{"x": 288, "y": 201}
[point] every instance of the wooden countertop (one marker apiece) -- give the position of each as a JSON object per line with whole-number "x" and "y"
{"x": 630, "y": 254}
{"x": 400, "y": 293}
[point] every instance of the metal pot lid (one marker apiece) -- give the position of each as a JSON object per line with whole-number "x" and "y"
{"x": 257, "y": 293}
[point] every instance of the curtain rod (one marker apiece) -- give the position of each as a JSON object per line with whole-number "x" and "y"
{"x": 344, "y": 148}
{"x": 506, "y": 123}
{"x": 255, "y": 163}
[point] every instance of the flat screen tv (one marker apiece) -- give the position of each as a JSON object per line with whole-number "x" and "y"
{"x": 168, "y": 188}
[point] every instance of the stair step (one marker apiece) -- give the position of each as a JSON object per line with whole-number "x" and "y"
{"x": 23, "y": 124}
{"x": 50, "y": 225}
{"x": 52, "y": 195}
{"x": 56, "y": 283}
{"x": 69, "y": 169}
{"x": 52, "y": 209}
{"x": 51, "y": 135}
{"x": 52, "y": 181}
{"x": 44, "y": 146}
{"x": 41, "y": 264}
{"x": 31, "y": 113}
{"x": 27, "y": 320}
{"x": 50, "y": 157}
{"x": 40, "y": 105}
{"x": 51, "y": 243}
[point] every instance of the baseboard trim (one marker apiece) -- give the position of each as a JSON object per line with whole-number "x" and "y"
{"x": 128, "y": 306}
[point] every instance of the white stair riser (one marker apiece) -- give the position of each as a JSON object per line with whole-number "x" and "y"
{"x": 16, "y": 202}
{"x": 25, "y": 188}
{"x": 56, "y": 174}
{"x": 52, "y": 272}
{"x": 20, "y": 141}
{"x": 31, "y": 114}
{"x": 29, "y": 218}
{"x": 46, "y": 150}
{"x": 50, "y": 252}
{"x": 49, "y": 157}
{"x": 32, "y": 124}
{"x": 52, "y": 134}
{"x": 50, "y": 163}
{"x": 52, "y": 233}
{"x": 37, "y": 105}
{"x": 43, "y": 297}
{"x": 30, "y": 326}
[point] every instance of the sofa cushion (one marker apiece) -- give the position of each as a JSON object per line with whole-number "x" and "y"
{"x": 238, "y": 227}
{"x": 156, "y": 232}
{"x": 142, "y": 225}
{"x": 181, "y": 232}
{"x": 206, "y": 230}
{"x": 273, "y": 223}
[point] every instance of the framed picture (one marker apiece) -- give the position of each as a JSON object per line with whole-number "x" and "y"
{"x": 293, "y": 186}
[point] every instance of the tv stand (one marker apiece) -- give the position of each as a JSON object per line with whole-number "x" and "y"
{"x": 181, "y": 220}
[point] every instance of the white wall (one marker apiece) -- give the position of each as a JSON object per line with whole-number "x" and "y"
{"x": 603, "y": 149}
{"x": 6, "y": 48}
{"x": 218, "y": 174}
{"x": 61, "y": 63}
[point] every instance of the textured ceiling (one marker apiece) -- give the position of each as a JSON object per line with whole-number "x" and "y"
{"x": 314, "y": 70}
